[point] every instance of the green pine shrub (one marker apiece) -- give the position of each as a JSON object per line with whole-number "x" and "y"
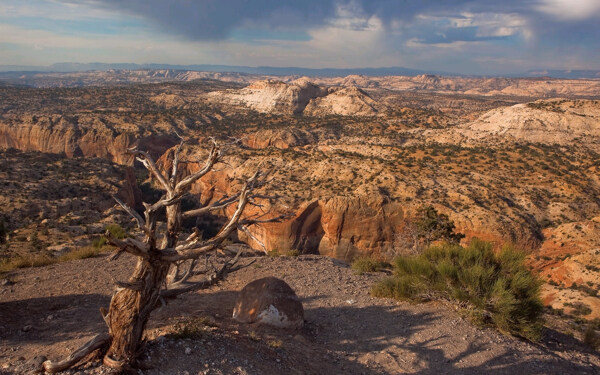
{"x": 498, "y": 287}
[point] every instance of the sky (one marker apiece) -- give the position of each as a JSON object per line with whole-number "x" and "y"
{"x": 461, "y": 36}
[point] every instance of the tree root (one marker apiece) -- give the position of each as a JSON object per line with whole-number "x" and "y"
{"x": 95, "y": 343}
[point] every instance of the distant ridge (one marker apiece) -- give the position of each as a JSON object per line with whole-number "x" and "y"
{"x": 565, "y": 73}
{"x": 261, "y": 70}
{"x": 68, "y": 67}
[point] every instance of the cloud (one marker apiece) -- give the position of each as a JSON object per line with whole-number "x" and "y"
{"x": 440, "y": 35}
{"x": 468, "y": 27}
{"x": 570, "y": 9}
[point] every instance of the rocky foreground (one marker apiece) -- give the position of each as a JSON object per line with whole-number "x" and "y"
{"x": 346, "y": 330}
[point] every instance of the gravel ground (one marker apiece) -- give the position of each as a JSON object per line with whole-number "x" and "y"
{"x": 50, "y": 311}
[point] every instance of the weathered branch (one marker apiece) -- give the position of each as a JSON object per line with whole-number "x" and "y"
{"x": 95, "y": 343}
{"x": 276, "y": 219}
{"x": 129, "y": 245}
{"x": 213, "y": 156}
{"x": 215, "y": 206}
{"x": 137, "y": 286}
{"x": 216, "y": 277}
{"x": 253, "y": 237}
{"x": 186, "y": 274}
{"x": 194, "y": 249}
{"x": 149, "y": 163}
{"x": 173, "y": 179}
{"x": 131, "y": 211}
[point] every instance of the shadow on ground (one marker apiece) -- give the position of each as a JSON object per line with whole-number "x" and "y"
{"x": 336, "y": 339}
{"x": 48, "y": 320}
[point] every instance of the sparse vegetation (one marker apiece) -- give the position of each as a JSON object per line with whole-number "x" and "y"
{"x": 364, "y": 264}
{"x": 592, "y": 334}
{"x": 275, "y": 344}
{"x": 40, "y": 260}
{"x": 498, "y": 288}
{"x": 116, "y": 231}
{"x": 192, "y": 328}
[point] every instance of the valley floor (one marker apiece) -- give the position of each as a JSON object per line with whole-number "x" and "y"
{"x": 52, "y": 310}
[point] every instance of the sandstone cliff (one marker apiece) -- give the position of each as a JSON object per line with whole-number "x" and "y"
{"x": 73, "y": 136}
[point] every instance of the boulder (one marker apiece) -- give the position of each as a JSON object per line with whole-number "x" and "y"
{"x": 269, "y": 301}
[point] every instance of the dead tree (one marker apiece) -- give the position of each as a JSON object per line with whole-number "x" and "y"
{"x": 163, "y": 269}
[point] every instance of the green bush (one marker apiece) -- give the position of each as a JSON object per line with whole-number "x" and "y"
{"x": 99, "y": 242}
{"x": 498, "y": 287}
{"x": 116, "y": 231}
{"x": 367, "y": 264}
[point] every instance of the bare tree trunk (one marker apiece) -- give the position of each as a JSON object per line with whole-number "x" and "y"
{"x": 134, "y": 300}
{"x": 130, "y": 308}
{"x": 129, "y": 311}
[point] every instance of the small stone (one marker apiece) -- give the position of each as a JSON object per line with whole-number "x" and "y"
{"x": 26, "y": 328}
{"x": 188, "y": 350}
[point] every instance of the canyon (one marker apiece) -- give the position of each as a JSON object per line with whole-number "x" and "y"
{"x": 351, "y": 159}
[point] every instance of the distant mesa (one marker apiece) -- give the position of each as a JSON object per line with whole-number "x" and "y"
{"x": 345, "y": 101}
{"x": 300, "y": 97}
{"x": 556, "y": 121}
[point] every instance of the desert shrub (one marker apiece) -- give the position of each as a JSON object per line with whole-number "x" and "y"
{"x": 99, "y": 242}
{"x": 193, "y": 328}
{"x": 40, "y": 260}
{"x": 579, "y": 308}
{"x": 498, "y": 287}
{"x": 364, "y": 264}
{"x": 81, "y": 253}
{"x": 591, "y": 335}
{"x": 116, "y": 231}
{"x": 24, "y": 261}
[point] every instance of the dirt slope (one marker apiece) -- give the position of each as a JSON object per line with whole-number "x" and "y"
{"x": 49, "y": 311}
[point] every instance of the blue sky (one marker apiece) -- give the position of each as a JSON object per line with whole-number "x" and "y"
{"x": 463, "y": 36}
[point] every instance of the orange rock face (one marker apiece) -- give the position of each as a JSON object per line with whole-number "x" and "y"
{"x": 59, "y": 135}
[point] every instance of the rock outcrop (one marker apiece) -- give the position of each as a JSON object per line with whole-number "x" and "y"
{"x": 544, "y": 121}
{"x": 300, "y": 97}
{"x": 272, "y": 96}
{"x": 343, "y": 101}
{"x": 279, "y": 138}
{"x": 555, "y": 121}
{"x": 78, "y": 136}
{"x": 269, "y": 301}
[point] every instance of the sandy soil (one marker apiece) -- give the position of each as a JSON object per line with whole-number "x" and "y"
{"x": 50, "y": 311}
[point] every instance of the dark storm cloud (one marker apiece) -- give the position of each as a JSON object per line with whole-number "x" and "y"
{"x": 216, "y": 19}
